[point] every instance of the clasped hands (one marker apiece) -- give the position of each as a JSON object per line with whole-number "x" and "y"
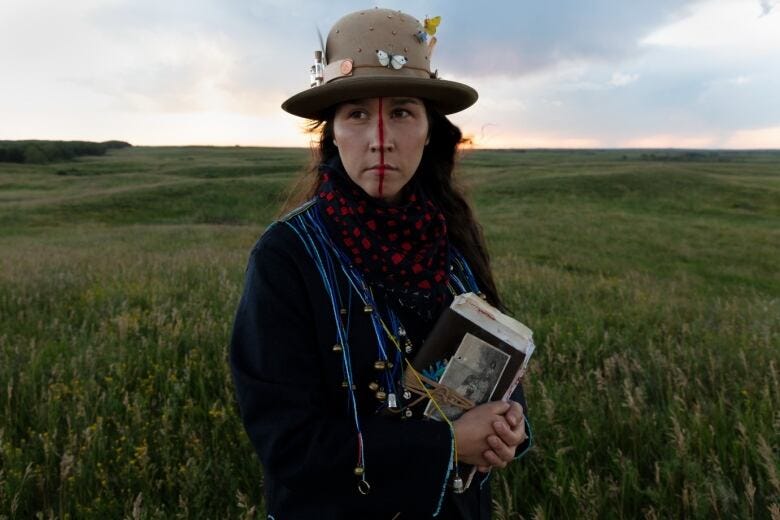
{"x": 488, "y": 434}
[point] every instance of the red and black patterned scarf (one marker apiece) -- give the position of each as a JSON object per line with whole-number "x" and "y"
{"x": 400, "y": 249}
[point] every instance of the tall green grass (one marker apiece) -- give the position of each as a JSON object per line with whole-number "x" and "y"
{"x": 651, "y": 283}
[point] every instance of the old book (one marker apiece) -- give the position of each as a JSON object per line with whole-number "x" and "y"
{"x": 477, "y": 353}
{"x": 473, "y": 355}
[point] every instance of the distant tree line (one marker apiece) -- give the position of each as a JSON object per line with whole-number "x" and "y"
{"x": 683, "y": 156}
{"x": 40, "y": 152}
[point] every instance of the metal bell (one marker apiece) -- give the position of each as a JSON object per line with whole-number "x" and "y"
{"x": 457, "y": 485}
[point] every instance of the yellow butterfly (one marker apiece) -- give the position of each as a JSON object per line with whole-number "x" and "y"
{"x": 431, "y": 24}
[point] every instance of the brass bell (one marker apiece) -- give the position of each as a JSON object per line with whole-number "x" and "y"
{"x": 337, "y": 348}
{"x": 380, "y": 365}
{"x": 345, "y": 384}
{"x": 407, "y": 394}
{"x": 381, "y": 395}
{"x": 343, "y": 312}
{"x": 359, "y": 471}
{"x": 368, "y": 309}
{"x": 373, "y": 386}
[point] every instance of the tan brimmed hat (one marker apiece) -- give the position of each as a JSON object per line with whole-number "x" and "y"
{"x": 373, "y": 53}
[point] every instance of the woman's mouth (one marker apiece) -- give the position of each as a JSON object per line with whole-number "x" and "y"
{"x": 381, "y": 167}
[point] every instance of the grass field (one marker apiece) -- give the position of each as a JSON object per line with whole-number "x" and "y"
{"x": 650, "y": 279}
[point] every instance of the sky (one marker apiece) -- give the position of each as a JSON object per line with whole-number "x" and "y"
{"x": 552, "y": 74}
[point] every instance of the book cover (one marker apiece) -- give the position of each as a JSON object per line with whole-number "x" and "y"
{"x": 476, "y": 352}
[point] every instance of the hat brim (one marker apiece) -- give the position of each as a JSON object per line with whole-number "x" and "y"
{"x": 447, "y": 96}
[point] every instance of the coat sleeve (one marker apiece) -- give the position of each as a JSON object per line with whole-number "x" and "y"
{"x": 519, "y": 396}
{"x": 279, "y": 376}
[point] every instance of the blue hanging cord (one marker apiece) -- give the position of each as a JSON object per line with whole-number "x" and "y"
{"x": 340, "y": 333}
{"x": 358, "y": 283}
{"x": 456, "y": 258}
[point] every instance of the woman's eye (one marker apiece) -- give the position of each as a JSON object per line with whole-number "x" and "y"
{"x": 357, "y": 114}
{"x": 401, "y": 113}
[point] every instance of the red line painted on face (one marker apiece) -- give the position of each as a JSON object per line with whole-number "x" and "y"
{"x": 381, "y": 149}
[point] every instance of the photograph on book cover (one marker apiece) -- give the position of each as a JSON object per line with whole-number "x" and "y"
{"x": 474, "y": 371}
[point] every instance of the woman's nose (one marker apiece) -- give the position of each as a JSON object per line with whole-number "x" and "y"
{"x": 388, "y": 147}
{"x": 381, "y": 140}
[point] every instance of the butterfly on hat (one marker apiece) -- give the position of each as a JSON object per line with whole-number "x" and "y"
{"x": 429, "y": 28}
{"x": 391, "y": 61}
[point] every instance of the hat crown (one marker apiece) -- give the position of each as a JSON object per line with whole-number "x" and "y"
{"x": 360, "y": 35}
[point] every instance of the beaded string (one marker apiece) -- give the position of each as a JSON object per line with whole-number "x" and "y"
{"x": 341, "y": 334}
{"x": 369, "y": 302}
{"x": 357, "y": 282}
{"x": 378, "y": 324}
{"x": 457, "y": 259}
{"x": 416, "y": 374}
{"x": 400, "y": 331}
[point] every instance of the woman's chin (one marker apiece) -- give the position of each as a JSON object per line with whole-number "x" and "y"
{"x": 387, "y": 195}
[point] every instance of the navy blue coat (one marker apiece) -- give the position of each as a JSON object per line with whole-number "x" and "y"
{"x": 289, "y": 384}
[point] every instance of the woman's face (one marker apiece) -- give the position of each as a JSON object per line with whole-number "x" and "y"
{"x": 381, "y": 142}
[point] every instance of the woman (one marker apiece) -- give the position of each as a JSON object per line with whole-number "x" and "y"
{"x": 344, "y": 289}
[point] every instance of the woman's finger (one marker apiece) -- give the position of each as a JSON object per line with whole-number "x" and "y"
{"x": 510, "y": 436}
{"x": 505, "y": 452}
{"x": 514, "y": 416}
{"x": 493, "y": 459}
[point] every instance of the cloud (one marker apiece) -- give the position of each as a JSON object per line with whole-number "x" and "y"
{"x": 520, "y": 38}
{"x": 728, "y": 25}
{"x": 739, "y": 80}
{"x": 668, "y": 140}
{"x": 767, "y": 6}
{"x": 621, "y": 79}
{"x": 754, "y": 138}
{"x": 178, "y": 56}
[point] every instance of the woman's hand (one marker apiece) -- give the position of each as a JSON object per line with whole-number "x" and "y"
{"x": 474, "y": 428}
{"x": 507, "y": 435}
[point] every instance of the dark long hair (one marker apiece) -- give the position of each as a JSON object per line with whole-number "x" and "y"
{"x": 435, "y": 175}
